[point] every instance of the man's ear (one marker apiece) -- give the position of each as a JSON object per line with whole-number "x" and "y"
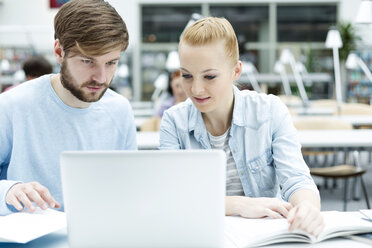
{"x": 237, "y": 70}
{"x": 58, "y": 51}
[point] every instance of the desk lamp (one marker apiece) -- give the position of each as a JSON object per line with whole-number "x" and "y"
{"x": 303, "y": 72}
{"x": 250, "y": 70}
{"x": 173, "y": 61}
{"x": 279, "y": 68}
{"x": 364, "y": 15}
{"x": 161, "y": 84}
{"x": 353, "y": 62}
{"x": 287, "y": 58}
{"x": 334, "y": 41}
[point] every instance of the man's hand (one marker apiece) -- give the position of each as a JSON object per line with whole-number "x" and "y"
{"x": 257, "y": 207}
{"x": 27, "y": 193}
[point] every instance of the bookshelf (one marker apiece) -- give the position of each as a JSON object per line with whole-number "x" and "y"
{"x": 359, "y": 86}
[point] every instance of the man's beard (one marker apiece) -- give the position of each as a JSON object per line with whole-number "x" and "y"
{"x": 70, "y": 84}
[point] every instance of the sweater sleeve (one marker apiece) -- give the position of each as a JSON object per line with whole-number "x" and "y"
{"x": 5, "y": 151}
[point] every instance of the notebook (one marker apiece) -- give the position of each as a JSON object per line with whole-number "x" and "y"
{"x": 144, "y": 198}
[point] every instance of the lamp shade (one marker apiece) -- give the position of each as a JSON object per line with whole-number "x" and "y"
{"x": 248, "y": 67}
{"x": 173, "y": 61}
{"x": 352, "y": 61}
{"x": 286, "y": 56}
{"x": 161, "y": 82}
{"x": 279, "y": 67}
{"x": 364, "y": 14}
{"x": 333, "y": 39}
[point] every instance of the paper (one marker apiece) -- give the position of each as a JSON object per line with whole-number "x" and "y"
{"x": 23, "y": 227}
{"x": 258, "y": 232}
{"x": 366, "y": 213}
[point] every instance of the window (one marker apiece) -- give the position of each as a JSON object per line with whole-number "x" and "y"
{"x": 305, "y": 23}
{"x": 250, "y": 22}
{"x": 165, "y": 23}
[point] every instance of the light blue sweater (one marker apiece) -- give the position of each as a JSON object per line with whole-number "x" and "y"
{"x": 36, "y": 126}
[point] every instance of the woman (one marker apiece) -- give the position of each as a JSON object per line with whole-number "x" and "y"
{"x": 266, "y": 174}
{"x": 176, "y": 92}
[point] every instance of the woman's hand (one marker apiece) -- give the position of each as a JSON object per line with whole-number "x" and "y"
{"x": 257, "y": 207}
{"x": 307, "y": 217}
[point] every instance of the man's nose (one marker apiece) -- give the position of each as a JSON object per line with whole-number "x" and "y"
{"x": 99, "y": 74}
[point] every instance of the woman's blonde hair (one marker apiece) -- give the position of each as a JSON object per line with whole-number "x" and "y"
{"x": 209, "y": 30}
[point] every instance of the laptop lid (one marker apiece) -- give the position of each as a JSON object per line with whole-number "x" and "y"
{"x": 144, "y": 198}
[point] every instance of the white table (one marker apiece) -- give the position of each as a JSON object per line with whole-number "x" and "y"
{"x": 272, "y": 78}
{"x": 141, "y": 105}
{"x": 355, "y": 120}
{"x": 336, "y": 138}
{"x": 308, "y": 139}
{"x": 147, "y": 112}
{"x": 147, "y": 140}
{"x": 59, "y": 240}
{"x": 313, "y": 111}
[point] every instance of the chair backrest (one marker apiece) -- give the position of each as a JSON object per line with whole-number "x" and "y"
{"x": 327, "y": 103}
{"x": 346, "y": 108}
{"x": 319, "y": 122}
{"x": 356, "y": 109}
{"x": 291, "y": 100}
{"x": 151, "y": 125}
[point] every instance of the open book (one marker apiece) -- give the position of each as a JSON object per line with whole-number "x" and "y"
{"x": 23, "y": 227}
{"x": 258, "y": 232}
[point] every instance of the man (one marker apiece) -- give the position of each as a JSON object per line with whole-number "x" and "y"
{"x": 34, "y": 67}
{"x": 72, "y": 110}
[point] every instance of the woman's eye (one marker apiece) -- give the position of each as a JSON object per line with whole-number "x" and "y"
{"x": 85, "y": 61}
{"x": 210, "y": 77}
{"x": 186, "y": 76}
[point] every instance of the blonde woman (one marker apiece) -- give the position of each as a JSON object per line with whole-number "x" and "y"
{"x": 266, "y": 174}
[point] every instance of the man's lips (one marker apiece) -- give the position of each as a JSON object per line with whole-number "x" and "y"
{"x": 94, "y": 88}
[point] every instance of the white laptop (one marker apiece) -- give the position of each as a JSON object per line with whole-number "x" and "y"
{"x": 144, "y": 198}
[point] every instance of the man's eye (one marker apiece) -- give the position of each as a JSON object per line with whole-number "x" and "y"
{"x": 86, "y": 61}
{"x": 210, "y": 77}
{"x": 112, "y": 63}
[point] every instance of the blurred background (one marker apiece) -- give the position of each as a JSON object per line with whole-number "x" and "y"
{"x": 264, "y": 29}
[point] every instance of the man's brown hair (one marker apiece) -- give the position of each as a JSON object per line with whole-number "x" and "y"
{"x": 90, "y": 27}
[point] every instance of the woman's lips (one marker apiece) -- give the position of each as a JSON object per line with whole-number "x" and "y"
{"x": 201, "y": 99}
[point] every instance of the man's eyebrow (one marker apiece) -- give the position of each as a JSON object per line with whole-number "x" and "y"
{"x": 114, "y": 59}
{"x": 93, "y": 59}
{"x": 86, "y": 57}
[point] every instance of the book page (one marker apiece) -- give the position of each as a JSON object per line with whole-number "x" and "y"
{"x": 23, "y": 227}
{"x": 343, "y": 223}
{"x": 245, "y": 232}
{"x": 367, "y": 213}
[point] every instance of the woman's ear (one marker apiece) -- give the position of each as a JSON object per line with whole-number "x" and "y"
{"x": 58, "y": 51}
{"x": 237, "y": 70}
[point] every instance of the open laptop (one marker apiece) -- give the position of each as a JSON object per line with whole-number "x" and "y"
{"x": 144, "y": 198}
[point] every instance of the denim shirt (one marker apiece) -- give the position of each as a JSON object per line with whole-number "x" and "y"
{"x": 263, "y": 142}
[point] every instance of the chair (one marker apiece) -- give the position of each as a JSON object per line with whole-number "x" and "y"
{"x": 291, "y": 101}
{"x": 152, "y": 124}
{"x": 356, "y": 109}
{"x": 344, "y": 171}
